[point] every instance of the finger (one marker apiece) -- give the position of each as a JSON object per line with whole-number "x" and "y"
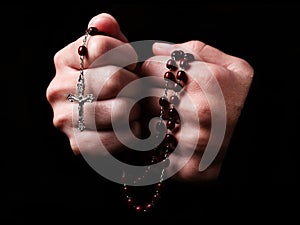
{"x": 108, "y": 81}
{"x": 195, "y": 107}
{"x": 198, "y": 72}
{"x": 200, "y": 92}
{"x": 206, "y": 53}
{"x": 101, "y": 50}
{"x": 98, "y": 115}
{"x": 106, "y": 23}
{"x": 103, "y": 82}
{"x": 99, "y": 143}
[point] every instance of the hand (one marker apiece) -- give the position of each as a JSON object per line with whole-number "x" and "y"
{"x": 211, "y": 70}
{"x": 100, "y": 68}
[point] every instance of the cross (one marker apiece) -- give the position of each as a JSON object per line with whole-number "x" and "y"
{"x": 81, "y": 99}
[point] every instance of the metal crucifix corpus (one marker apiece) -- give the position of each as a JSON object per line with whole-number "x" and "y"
{"x": 81, "y": 99}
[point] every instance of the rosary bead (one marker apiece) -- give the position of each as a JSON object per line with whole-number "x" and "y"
{"x": 130, "y": 201}
{"x": 184, "y": 64}
{"x": 189, "y": 57}
{"x": 181, "y": 75}
{"x": 92, "y": 31}
{"x": 177, "y": 87}
{"x": 177, "y": 54}
{"x": 148, "y": 207}
{"x": 125, "y": 189}
{"x": 170, "y": 124}
{"x": 82, "y": 50}
{"x": 171, "y": 64}
{"x": 169, "y": 76}
{"x": 169, "y": 138}
{"x": 174, "y": 100}
{"x": 173, "y": 113}
{"x": 171, "y": 148}
{"x": 159, "y": 186}
{"x": 139, "y": 209}
{"x": 163, "y": 101}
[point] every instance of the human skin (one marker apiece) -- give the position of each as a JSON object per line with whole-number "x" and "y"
{"x": 232, "y": 74}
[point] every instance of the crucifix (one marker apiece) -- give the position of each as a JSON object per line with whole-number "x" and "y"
{"x": 81, "y": 99}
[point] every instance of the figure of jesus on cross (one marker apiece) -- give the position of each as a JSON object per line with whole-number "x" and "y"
{"x": 81, "y": 99}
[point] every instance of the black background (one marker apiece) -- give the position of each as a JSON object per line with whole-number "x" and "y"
{"x": 42, "y": 181}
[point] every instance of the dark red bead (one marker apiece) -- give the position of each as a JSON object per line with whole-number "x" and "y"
{"x": 130, "y": 201}
{"x": 139, "y": 208}
{"x": 82, "y": 50}
{"x": 125, "y": 190}
{"x": 165, "y": 116}
{"x": 171, "y": 64}
{"x": 177, "y": 54}
{"x": 163, "y": 101}
{"x": 173, "y": 113}
{"x": 170, "y": 124}
{"x": 92, "y": 31}
{"x": 169, "y": 138}
{"x": 177, "y": 87}
{"x": 159, "y": 186}
{"x": 189, "y": 57}
{"x": 181, "y": 75}
{"x": 184, "y": 64}
{"x": 148, "y": 207}
{"x": 174, "y": 100}
{"x": 171, "y": 148}
{"x": 169, "y": 76}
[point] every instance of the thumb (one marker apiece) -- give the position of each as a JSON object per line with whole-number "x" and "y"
{"x": 106, "y": 23}
{"x": 206, "y": 53}
{"x": 166, "y": 49}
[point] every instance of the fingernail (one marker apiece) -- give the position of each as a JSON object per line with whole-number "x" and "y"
{"x": 162, "y": 46}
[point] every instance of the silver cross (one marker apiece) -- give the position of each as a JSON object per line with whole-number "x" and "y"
{"x": 81, "y": 99}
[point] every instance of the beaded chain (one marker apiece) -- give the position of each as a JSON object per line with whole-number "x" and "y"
{"x": 81, "y": 98}
{"x": 169, "y": 120}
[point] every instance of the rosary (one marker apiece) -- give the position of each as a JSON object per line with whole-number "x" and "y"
{"x": 175, "y": 78}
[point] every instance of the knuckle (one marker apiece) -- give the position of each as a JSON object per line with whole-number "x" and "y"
{"x": 59, "y": 58}
{"x": 60, "y": 120}
{"x": 249, "y": 72}
{"x": 98, "y": 47}
{"x": 74, "y": 146}
{"x": 203, "y": 140}
{"x": 196, "y": 46}
{"x": 52, "y": 92}
{"x": 204, "y": 114}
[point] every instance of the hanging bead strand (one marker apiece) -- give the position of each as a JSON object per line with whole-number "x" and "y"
{"x": 169, "y": 119}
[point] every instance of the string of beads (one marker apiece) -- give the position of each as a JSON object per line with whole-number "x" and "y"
{"x": 169, "y": 120}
